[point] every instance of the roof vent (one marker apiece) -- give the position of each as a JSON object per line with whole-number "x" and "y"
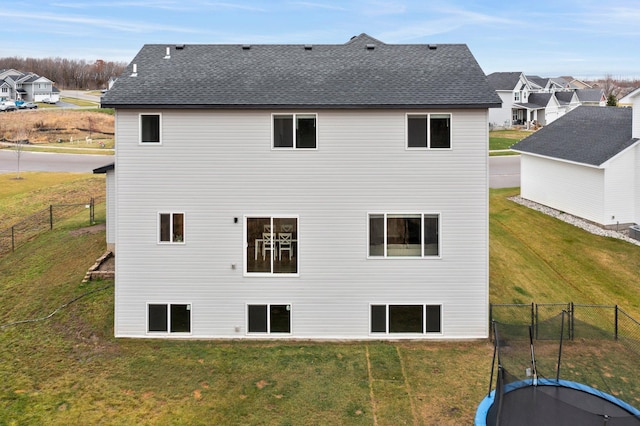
{"x": 308, "y": 47}
{"x": 179, "y": 46}
{"x": 246, "y": 46}
{"x": 433, "y": 46}
{"x": 168, "y": 55}
{"x": 371, "y": 46}
{"x": 135, "y": 70}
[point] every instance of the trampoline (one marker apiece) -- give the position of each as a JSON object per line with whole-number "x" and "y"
{"x": 552, "y": 402}
{"x": 534, "y": 400}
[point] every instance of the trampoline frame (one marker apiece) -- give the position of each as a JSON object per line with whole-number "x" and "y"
{"x": 487, "y": 402}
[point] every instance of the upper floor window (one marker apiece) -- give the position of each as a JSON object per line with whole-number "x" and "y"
{"x": 295, "y": 131}
{"x": 271, "y": 245}
{"x": 171, "y": 228}
{"x": 516, "y": 96}
{"x": 429, "y": 131}
{"x": 150, "y": 125}
{"x": 404, "y": 235}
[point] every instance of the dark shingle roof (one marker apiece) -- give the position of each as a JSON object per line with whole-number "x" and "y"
{"x": 564, "y": 97}
{"x": 504, "y": 80}
{"x": 363, "y": 72}
{"x": 590, "y": 95}
{"x": 588, "y": 135}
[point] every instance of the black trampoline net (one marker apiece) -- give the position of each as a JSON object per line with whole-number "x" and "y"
{"x": 530, "y": 362}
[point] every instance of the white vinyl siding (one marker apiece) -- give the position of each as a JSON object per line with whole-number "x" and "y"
{"x": 219, "y": 166}
{"x": 572, "y": 188}
{"x": 111, "y": 209}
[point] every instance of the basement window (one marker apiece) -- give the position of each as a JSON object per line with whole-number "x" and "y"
{"x": 168, "y": 318}
{"x": 414, "y": 319}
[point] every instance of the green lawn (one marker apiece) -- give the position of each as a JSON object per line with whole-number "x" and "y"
{"x": 503, "y": 139}
{"x": 70, "y": 370}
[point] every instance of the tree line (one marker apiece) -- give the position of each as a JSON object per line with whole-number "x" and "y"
{"x": 68, "y": 73}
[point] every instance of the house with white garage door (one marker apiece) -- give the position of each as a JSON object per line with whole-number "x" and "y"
{"x": 325, "y": 191}
{"x": 587, "y": 164}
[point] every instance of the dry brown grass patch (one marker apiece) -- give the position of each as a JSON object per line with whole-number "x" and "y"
{"x": 40, "y": 127}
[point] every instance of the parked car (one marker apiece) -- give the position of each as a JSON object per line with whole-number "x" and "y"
{"x": 8, "y": 106}
{"x": 48, "y": 101}
{"x": 27, "y": 105}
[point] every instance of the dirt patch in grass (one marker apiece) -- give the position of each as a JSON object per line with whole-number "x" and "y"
{"x": 88, "y": 230}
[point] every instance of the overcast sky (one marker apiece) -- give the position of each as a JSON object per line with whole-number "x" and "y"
{"x": 583, "y": 38}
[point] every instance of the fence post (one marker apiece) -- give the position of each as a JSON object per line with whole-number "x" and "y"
{"x": 50, "y": 216}
{"x": 13, "y": 238}
{"x": 572, "y": 320}
{"x": 533, "y": 316}
{"x": 616, "y": 322}
{"x": 92, "y": 211}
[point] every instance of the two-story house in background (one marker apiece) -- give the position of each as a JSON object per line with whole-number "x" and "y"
{"x": 301, "y": 191}
{"x": 531, "y": 101}
{"x": 31, "y": 87}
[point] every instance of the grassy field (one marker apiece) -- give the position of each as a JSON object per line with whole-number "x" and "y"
{"x": 59, "y": 129}
{"x": 503, "y": 139}
{"x": 70, "y": 370}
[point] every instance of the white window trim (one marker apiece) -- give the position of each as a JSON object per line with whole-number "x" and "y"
{"x": 428, "y": 147}
{"x": 184, "y": 228}
{"x": 169, "y": 332}
{"x": 245, "y": 244}
{"x": 422, "y": 215}
{"x": 268, "y": 333}
{"x": 293, "y": 148}
{"x": 140, "y": 141}
{"x": 424, "y": 319}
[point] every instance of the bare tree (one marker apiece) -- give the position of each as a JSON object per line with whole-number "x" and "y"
{"x": 19, "y": 144}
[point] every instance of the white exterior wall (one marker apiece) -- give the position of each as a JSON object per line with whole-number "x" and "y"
{"x": 218, "y": 165}
{"x": 637, "y": 184}
{"x": 572, "y": 188}
{"x": 111, "y": 209}
{"x": 502, "y": 116}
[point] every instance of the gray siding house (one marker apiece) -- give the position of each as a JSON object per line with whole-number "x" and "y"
{"x": 301, "y": 191}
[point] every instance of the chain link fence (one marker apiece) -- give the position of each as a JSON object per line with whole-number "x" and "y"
{"x": 44, "y": 220}
{"x": 597, "y": 322}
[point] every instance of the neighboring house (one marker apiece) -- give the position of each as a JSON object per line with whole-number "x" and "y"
{"x": 534, "y": 100}
{"x": 587, "y": 164}
{"x": 542, "y": 108}
{"x": 592, "y": 97}
{"x": 301, "y": 191}
{"x": 512, "y": 87}
{"x": 30, "y": 87}
{"x": 627, "y": 100}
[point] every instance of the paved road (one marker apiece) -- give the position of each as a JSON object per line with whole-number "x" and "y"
{"x": 504, "y": 172}
{"x": 79, "y": 94}
{"x": 50, "y": 162}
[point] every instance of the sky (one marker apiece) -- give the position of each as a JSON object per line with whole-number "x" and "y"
{"x": 583, "y": 38}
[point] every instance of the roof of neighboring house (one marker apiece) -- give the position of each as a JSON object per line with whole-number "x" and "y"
{"x": 564, "y": 97}
{"x": 504, "y": 80}
{"x": 590, "y": 95}
{"x": 362, "y": 73}
{"x": 541, "y": 99}
{"x": 540, "y": 81}
{"x": 588, "y": 135}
